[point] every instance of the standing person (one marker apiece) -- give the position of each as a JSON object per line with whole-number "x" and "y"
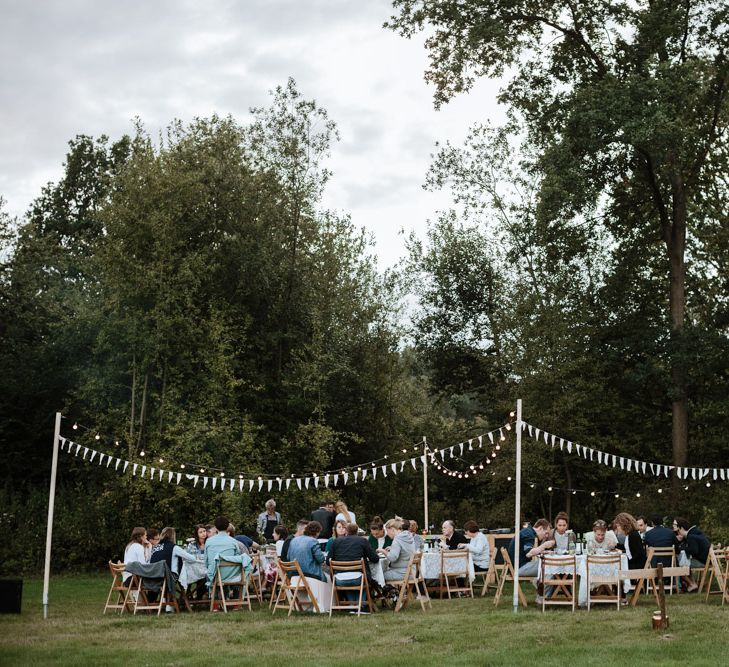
{"x": 268, "y": 520}
{"x": 696, "y": 546}
{"x": 326, "y": 516}
{"x": 300, "y": 528}
{"x": 135, "y": 550}
{"x": 398, "y": 554}
{"x": 451, "y": 537}
{"x": 377, "y": 537}
{"x": 634, "y": 547}
{"x": 478, "y": 545}
{"x": 306, "y": 550}
{"x": 343, "y": 513}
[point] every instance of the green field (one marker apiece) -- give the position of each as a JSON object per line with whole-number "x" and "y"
{"x": 461, "y": 631}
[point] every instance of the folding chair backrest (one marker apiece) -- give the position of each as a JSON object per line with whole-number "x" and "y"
{"x": 455, "y": 556}
{"x": 118, "y": 587}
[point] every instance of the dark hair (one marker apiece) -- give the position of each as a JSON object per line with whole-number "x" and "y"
{"x": 682, "y": 523}
{"x": 656, "y": 520}
{"x": 221, "y": 523}
{"x": 195, "y": 535}
{"x": 313, "y": 528}
{"x": 640, "y": 517}
{"x": 542, "y": 523}
{"x": 405, "y": 525}
{"x": 377, "y": 523}
{"x": 352, "y": 528}
{"x": 281, "y": 531}
{"x": 152, "y": 533}
{"x": 470, "y": 526}
{"x": 324, "y": 503}
{"x": 562, "y": 515}
{"x": 210, "y": 526}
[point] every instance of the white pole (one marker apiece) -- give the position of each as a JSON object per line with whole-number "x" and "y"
{"x": 425, "y": 486}
{"x": 517, "y": 506}
{"x": 51, "y": 499}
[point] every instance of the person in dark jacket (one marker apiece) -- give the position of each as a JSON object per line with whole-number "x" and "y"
{"x": 325, "y": 515}
{"x": 451, "y": 537}
{"x": 660, "y": 536}
{"x": 634, "y": 548}
{"x": 696, "y": 546}
{"x": 300, "y": 527}
{"x": 352, "y": 547}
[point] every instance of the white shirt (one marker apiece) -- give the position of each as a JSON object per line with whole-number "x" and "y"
{"x": 479, "y": 548}
{"x": 341, "y": 516}
{"x": 134, "y": 553}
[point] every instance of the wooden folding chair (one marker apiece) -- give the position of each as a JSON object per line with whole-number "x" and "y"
{"x": 564, "y": 584}
{"x": 142, "y": 602}
{"x": 275, "y": 586}
{"x": 667, "y": 557}
{"x": 596, "y": 577}
{"x": 290, "y": 590}
{"x": 413, "y": 579}
{"x": 490, "y": 578}
{"x": 454, "y": 567}
{"x": 254, "y": 579}
{"x": 237, "y": 583}
{"x": 118, "y": 587}
{"x": 362, "y": 589}
{"x": 507, "y": 574}
{"x": 719, "y": 570}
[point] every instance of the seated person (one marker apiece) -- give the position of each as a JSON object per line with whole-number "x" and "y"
{"x": 169, "y": 552}
{"x": 152, "y": 539}
{"x": 222, "y": 546}
{"x": 377, "y": 537}
{"x": 660, "y": 536}
{"x": 418, "y": 540}
{"x": 478, "y": 545}
{"x": 451, "y": 537}
{"x": 300, "y": 527}
{"x": 340, "y": 530}
{"x": 196, "y": 545}
{"x": 601, "y": 540}
{"x": 306, "y": 550}
{"x": 352, "y": 547}
{"x": 399, "y": 552}
{"x": 643, "y": 526}
{"x": 696, "y": 546}
{"x": 135, "y": 550}
{"x": 247, "y": 543}
{"x": 529, "y": 554}
{"x": 560, "y": 535}
{"x": 211, "y": 530}
{"x": 280, "y": 533}
{"x": 634, "y": 548}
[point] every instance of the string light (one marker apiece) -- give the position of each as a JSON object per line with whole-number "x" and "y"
{"x": 97, "y": 437}
{"x": 75, "y": 426}
{"x": 141, "y": 453}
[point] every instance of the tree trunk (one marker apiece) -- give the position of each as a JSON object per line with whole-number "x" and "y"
{"x": 142, "y": 410}
{"x": 134, "y": 394}
{"x": 676, "y": 245}
{"x": 162, "y": 398}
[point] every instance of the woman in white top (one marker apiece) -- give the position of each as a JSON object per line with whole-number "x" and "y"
{"x": 478, "y": 546}
{"x": 134, "y": 552}
{"x": 343, "y": 513}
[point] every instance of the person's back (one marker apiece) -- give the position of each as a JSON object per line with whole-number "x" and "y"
{"x": 305, "y": 549}
{"x": 352, "y": 547}
{"x": 401, "y": 550}
{"x": 660, "y": 537}
{"x": 526, "y": 543}
{"x": 222, "y": 547}
{"x": 326, "y": 518}
{"x": 697, "y": 544}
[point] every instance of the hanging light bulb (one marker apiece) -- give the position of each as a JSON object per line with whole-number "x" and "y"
{"x": 660, "y": 490}
{"x": 222, "y": 474}
{"x": 549, "y": 488}
{"x": 592, "y": 493}
{"x": 240, "y": 476}
{"x": 498, "y": 446}
{"x": 161, "y": 460}
{"x": 508, "y": 427}
{"x": 97, "y": 437}
{"x": 508, "y": 479}
{"x": 182, "y": 465}
{"x": 512, "y": 414}
{"x": 116, "y": 442}
{"x": 708, "y": 484}
{"x": 75, "y": 426}
{"x": 637, "y": 495}
{"x": 574, "y": 493}
{"x": 141, "y": 453}
{"x": 617, "y": 495}
{"x": 202, "y": 469}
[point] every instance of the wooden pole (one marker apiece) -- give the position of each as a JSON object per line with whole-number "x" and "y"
{"x": 658, "y": 583}
{"x": 425, "y": 486}
{"x": 51, "y": 501}
{"x": 517, "y": 507}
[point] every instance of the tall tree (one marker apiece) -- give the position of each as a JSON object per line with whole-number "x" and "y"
{"x": 627, "y": 103}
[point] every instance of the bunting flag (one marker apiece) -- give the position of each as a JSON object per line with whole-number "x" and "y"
{"x": 626, "y": 463}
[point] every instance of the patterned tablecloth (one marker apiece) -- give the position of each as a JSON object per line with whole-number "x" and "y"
{"x": 602, "y": 570}
{"x": 192, "y": 572}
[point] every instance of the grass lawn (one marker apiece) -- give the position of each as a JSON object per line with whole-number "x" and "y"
{"x": 456, "y": 632}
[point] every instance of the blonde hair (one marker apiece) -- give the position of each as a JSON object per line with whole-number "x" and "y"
{"x": 341, "y": 507}
{"x": 395, "y": 523}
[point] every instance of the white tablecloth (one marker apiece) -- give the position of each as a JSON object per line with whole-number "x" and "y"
{"x": 581, "y": 563}
{"x": 192, "y": 572}
{"x": 322, "y": 592}
{"x": 430, "y": 565}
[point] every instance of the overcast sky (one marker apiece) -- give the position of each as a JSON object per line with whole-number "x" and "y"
{"x": 90, "y": 66}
